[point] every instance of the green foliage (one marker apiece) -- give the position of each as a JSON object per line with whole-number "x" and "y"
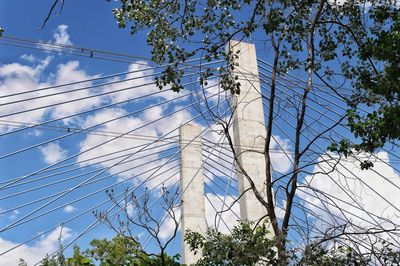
{"x": 118, "y": 251}
{"x": 319, "y": 256}
{"x": 379, "y": 88}
{"x": 244, "y": 246}
{"x": 122, "y": 250}
{"x": 77, "y": 259}
{"x": 363, "y": 39}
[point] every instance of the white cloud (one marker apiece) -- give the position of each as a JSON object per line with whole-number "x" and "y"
{"x": 168, "y": 226}
{"x": 227, "y": 221}
{"x": 140, "y": 149}
{"x": 14, "y": 214}
{"x": 29, "y": 57}
{"x": 281, "y": 156}
{"x": 35, "y": 252}
{"x": 15, "y": 78}
{"x": 61, "y": 35}
{"x": 18, "y": 78}
{"x": 53, "y": 153}
{"x": 69, "y": 73}
{"x": 355, "y": 190}
{"x": 69, "y": 209}
{"x": 228, "y": 218}
{"x": 138, "y": 75}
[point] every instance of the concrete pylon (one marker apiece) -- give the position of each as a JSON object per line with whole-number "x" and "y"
{"x": 192, "y": 184}
{"x": 249, "y": 130}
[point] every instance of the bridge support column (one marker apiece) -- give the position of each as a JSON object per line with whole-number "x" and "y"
{"x": 192, "y": 185}
{"x": 249, "y": 130}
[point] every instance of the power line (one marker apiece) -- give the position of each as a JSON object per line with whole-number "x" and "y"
{"x": 141, "y": 71}
{"x": 167, "y": 143}
{"x": 96, "y": 125}
{"x": 94, "y": 223}
{"x": 91, "y": 172}
{"x": 92, "y": 177}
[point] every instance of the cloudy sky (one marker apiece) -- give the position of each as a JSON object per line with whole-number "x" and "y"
{"x": 55, "y": 175}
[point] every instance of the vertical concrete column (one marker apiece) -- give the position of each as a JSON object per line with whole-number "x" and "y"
{"x": 192, "y": 184}
{"x": 249, "y": 130}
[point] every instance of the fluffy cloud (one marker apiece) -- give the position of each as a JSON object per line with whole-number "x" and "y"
{"x": 366, "y": 197}
{"x": 281, "y": 157}
{"x": 61, "y": 35}
{"x": 168, "y": 226}
{"x": 29, "y": 57}
{"x": 138, "y": 75}
{"x": 18, "y": 78}
{"x": 215, "y": 203}
{"x": 69, "y": 73}
{"x": 35, "y": 252}
{"x": 225, "y": 221}
{"x": 69, "y": 209}
{"x": 140, "y": 148}
{"x": 53, "y": 153}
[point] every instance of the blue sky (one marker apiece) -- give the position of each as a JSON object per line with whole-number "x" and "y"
{"x": 24, "y": 69}
{"x": 92, "y": 26}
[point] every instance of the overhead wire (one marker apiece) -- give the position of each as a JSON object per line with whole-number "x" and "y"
{"x": 91, "y": 172}
{"x": 90, "y": 127}
{"x": 388, "y": 180}
{"x": 316, "y": 87}
{"x": 80, "y": 51}
{"x": 208, "y": 155}
{"x": 292, "y": 140}
{"x": 92, "y": 86}
{"x": 167, "y": 143}
{"x": 86, "y": 181}
{"x": 340, "y": 134}
{"x": 336, "y": 217}
{"x": 61, "y": 224}
{"x": 344, "y": 189}
{"x": 94, "y": 223}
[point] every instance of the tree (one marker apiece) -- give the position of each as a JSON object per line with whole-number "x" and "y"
{"x": 379, "y": 87}
{"x": 376, "y": 80}
{"x": 248, "y": 246}
{"x": 305, "y": 36}
{"x": 338, "y": 31}
{"x": 244, "y": 246}
{"x": 77, "y": 259}
{"x": 120, "y": 250}
{"x": 309, "y": 37}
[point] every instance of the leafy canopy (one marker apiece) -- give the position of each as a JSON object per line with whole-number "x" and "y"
{"x": 118, "y": 251}
{"x": 356, "y": 44}
{"x": 244, "y": 246}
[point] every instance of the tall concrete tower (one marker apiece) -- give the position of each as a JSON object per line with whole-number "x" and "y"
{"x": 249, "y": 137}
{"x": 249, "y": 130}
{"x": 192, "y": 184}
